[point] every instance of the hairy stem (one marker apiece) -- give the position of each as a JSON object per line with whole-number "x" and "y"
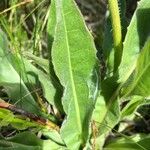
{"x": 117, "y": 35}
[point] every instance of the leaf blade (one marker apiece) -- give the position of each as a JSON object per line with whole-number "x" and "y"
{"x": 12, "y": 82}
{"x": 137, "y": 33}
{"x": 141, "y": 78}
{"x": 73, "y": 57}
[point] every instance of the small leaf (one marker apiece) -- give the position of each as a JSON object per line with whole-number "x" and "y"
{"x": 36, "y": 76}
{"x": 53, "y": 135}
{"x": 7, "y": 117}
{"x": 132, "y": 106}
{"x": 43, "y": 63}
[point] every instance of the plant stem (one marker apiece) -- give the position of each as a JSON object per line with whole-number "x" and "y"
{"x": 41, "y": 121}
{"x": 14, "y": 6}
{"x": 117, "y": 35}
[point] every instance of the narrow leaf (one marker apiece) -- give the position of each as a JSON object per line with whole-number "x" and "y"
{"x": 141, "y": 78}
{"x": 74, "y": 59}
{"x": 137, "y": 33}
{"x": 131, "y": 107}
{"x": 36, "y": 76}
{"x": 43, "y": 63}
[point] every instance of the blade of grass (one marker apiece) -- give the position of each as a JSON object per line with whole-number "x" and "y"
{"x": 14, "y": 6}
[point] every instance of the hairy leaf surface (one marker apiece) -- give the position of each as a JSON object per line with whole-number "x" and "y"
{"x": 74, "y": 59}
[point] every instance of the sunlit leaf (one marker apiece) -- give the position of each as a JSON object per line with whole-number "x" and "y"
{"x": 43, "y": 63}
{"x": 7, "y": 117}
{"x": 131, "y": 106}
{"x": 74, "y": 59}
{"x": 137, "y": 34}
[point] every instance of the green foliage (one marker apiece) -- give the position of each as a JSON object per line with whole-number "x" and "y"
{"x": 27, "y": 140}
{"x": 7, "y": 117}
{"x": 137, "y": 34}
{"x": 74, "y": 60}
{"x": 136, "y": 142}
{"x": 86, "y": 107}
{"x": 140, "y": 80}
{"x": 10, "y": 79}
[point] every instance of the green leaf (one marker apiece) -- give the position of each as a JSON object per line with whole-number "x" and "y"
{"x": 54, "y": 78}
{"x": 131, "y": 107}
{"x": 105, "y": 116}
{"x": 140, "y": 84}
{"x": 12, "y": 82}
{"x": 137, "y": 33}
{"x": 97, "y": 117}
{"x": 7, "y": 117}
{"x": 108, "y": 45}
{"x": 31, "y": 76}
{"x": 28, "y": 141}
{"x": 107, "y": 111}
{"x": 136, "y": 142}
{"x": 53, "y": 135}
{"x": 48, "y": 88}
{"x": 36, "y": 76}
{"x": 136, "y": 103}
{"x": 124, "y": 22}
{"x": 43, "y": 63}
{"x": 74, "y": 60}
